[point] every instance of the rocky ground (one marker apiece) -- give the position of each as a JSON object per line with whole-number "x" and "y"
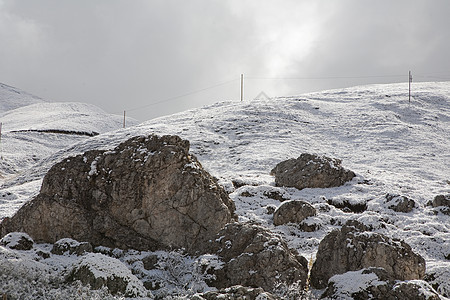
{"x": 365, "y": 202}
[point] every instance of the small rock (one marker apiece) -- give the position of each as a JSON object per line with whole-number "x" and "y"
{"x": 237, "y": 292}
{"x": 98, "y": 270}
{"x": 293, "y": 211}
{"x": 310, "y": 224}
{"x": 270, "y": 209}
{"x": 351, "y": 248}
{"x": 17, "y": 241}
{"x": 441, "y": 200}
{"x": 254, "y": 256}
{"x": 275, "y": 195}
{"x": 43, "y": 254}
{"x": 71, "y": 246}
{"x": 400, "y": 203}
{"x": 150, "y": 262}
{"x": 311, "y": 171}
{"x": 376, "y": 283}
{"x": 348, "y": 206}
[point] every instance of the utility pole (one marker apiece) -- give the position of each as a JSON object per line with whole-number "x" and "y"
{"x": 1, "y": 149}
{"x": 410, "y": 80}
{"x": 242, "y": 87}
{"x": 123, "y": 119}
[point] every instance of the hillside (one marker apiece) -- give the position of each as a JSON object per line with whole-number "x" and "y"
{"x": 12, "y": 98}
{"x": 394, "y": 146}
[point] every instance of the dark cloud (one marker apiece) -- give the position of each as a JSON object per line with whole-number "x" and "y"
{"x": 121, "y": 54}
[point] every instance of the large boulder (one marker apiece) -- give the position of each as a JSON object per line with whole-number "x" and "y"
{"x": 148, "y": 193}
{"x": 255, "y": 257}
{"x": 352, "y": 248}
{"x": 376, "y": 283}
{"x": 311, "y": 171}
{"x": 293, "y": 211}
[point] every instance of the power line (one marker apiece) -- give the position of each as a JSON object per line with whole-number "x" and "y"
{"x": 182, "y": 95}
{"x": 434, "y": 77}
{"x": 326, "y": 77}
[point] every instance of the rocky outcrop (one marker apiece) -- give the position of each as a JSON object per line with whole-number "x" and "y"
{"x": 400, "y": 203}
{"x": 294, "y": 211}
{"x": 311, "y": 171}
{"x": 376, "y": 283}
{"x": 148, "y": 193}
{"x": 352, "y": 248}
{"x": 255, "y": 257}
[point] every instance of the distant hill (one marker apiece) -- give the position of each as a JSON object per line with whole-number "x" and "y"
{"x": 33, "y": 128}
{"x": 12, "y": 98}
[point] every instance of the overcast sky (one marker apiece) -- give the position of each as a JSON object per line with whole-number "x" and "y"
{"x": 140, "y": 55}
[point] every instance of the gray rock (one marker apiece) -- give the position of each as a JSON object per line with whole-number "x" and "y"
{"x": 253, "y": 256}
{"x": 351, "y": 249}
{"x": 148, "y": 193}
{"x": 17, "y": 241}
{"x": 150, "y": 262}
{"x": 311, "y": 171}
{"x": 236, "y": 293}
{"x": 376, "y": 283}
{"x": 98, "y": 270}
{"x": 400, "y": 203}
{"x": 441, "y": 200}
{"x": 71, "y": 246}
{"x": 349, "y": 206}
{"x": 294, "y": 211}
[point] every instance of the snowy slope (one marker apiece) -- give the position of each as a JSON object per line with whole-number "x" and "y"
{"x": 33, "y": 129}
{"x": 395, "y": 146}
{"x": 12, "y": 98}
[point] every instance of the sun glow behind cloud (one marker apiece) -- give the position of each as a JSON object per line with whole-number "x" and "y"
{"x": 119, "y": 54}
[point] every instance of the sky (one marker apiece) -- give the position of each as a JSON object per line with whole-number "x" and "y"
{"x": 156, "y": 57}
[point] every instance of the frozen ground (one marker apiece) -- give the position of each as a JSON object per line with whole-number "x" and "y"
{"x": 395, "y": 146}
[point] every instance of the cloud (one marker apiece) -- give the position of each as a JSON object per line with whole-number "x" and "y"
{"x": 121, "y": 54}
{"x": 380, "y": 38}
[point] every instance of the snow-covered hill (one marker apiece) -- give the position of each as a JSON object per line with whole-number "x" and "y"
{"x": 395, "y": 146}
{"x": 12, "y": 98}
{"x": 33, "y": 129}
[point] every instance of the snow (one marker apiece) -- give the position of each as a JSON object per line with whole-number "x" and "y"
{"x": 12, "y": 98}
{"x": 13, "y": 239}
{"x": 353, "y": 282}
{"x": 102, "y": 266}
{"x": 394, "y": 146}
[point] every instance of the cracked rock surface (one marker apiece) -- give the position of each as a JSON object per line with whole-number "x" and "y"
{"x": 254, "y": 256}
{"x": 311, "y": 171}
{"x": 353, "y": 248}
{"x": 148, "y": 193}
